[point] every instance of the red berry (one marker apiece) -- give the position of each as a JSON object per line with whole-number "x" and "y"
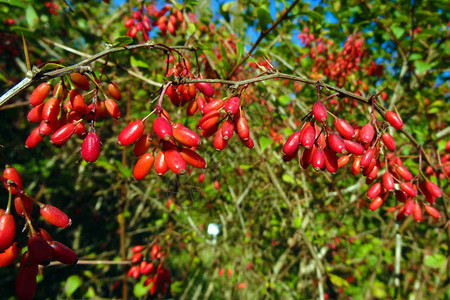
{"x": 63, "y": 254}
{"x": 160, "y": 164}
{"x": 63, "y": 134}
{"x": 185, "y": 136}
{"x": 213, "y": 105}
{"x": 193, "y": 159}
{"x": 404, "y": 173}
{"x": 408, "y": 188}
{"x": 354, "y": 147}
{"x": 388, "y": 141}
{"x": 7, "y": 230}
{"x": 308, "y": 135}
{"x": 318, "y": 159}
{"x": 227, "y": 130}
{"x": 11, "y": 173}
{"x": 394, "y": 120}
{"x": 51, "y": 109}
{"x": 114, "y": 91}
{"x": 232, "y": 105}
{"x": 374, "y": 190}
{"x": 90, "y": 149}
{"x": 80, "y": 81}
{"x": 40, "y": 94}
{"x": 26, "y": 282}
{"x": 433, "y": 189}
{"x": 162, "y": 128}
{"x": 345, "y": 130}
{"x": 336, "y": 143}
{"x": 376, "y": 203}
{"x": 175, "y": 161}
{"x": 388, "y": 181}
{"x": 33, "y": 139}
{"x": 432, "y": 211}
{"x": 112, "y": 108}
{"x": 242, "y": 128}
{"x": 292, "y": 144}
{"x": 26, "y": 202}
{"x": 131, "y": 133}
{"x": 35, "y": 114}
{"x": 366, "y": 134}
{"x": 367, "y": 158}
{"x": 143, "y": 166}
{"x": 320, "y": 112}
{"x": 55, "y": 216}
{"x": 331, "y": 161}
{"x": 10, "y": 255}
{"x": 39, "y": 250}
{"x": 205, "y": 88}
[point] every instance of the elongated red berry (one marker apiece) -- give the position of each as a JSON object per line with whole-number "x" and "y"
{"x": 318, "y": 159}
{"x": 193, "y": 158}
{"x": 232, "y": 105}
{"x": 79, "y": 105}
{"x": 356, "y": 166}
{"x": 408, "y": 188}
{"x": 243, "y": 128}
{"x": 219, "y": 142}
{"x": 249, "y": 143}
{"x": 142, "y": 145}
{"x": 394, "y": 120}
{"x": 388, "y": 141}
{"x": 205, "y": 88}
{"x": 33, "y": 139}
{"x": 143, "y": 166}
{"x": 374, "y": 190}
{"x": 40, "y": 93}
{"x": 308, "y": 135}
{"x": 160, "y": 164}
{"x": 20, "y": 202}
{"x": 343, "y": 160}
{"x": 292, "y": 144}
{"x": 12, "y": 174}
{"x": 131, "y": 133}
{"x": 175, "y": 161}
{"x": 80, "y": 81}
{"x": 39, "y": 250}
{"x": 10, "y": 255}
{"x": 433, "y": 189}
{"x": 388, "y": 181}
{"x": 163, "y": 128}
{"x": 185, "y": 136}
{"x": 366, "y": 134}
{"x": 63, "y": 254}
{"x": 404, "y": 173}
{"x": 417, "y": 213}
{"x": 227, "y": 129}
{"x": 376, "y": 203}
{"x": 7, "y": 230}
{"x": 35, "y": 114}
{"x": 51, "y": 109}
{"x": 336, "y": 143}
{"x": 55, "y": 216}
{"x": 320, "y": 112}
{"x": 63, "y": 134}
{"x": 367, "y": 157}
{"x": 354, "y": 147}
{"x": 409, "y": 208}
{"x": 209, "y": 120}
{"x": 432, "y": 211}
{"x": 114, "y": 91}
{"x": 331, "y": 161}
{"x": 213, "y": 105}
{"x": 26, "y": 282}
{"x": 345, "y": 130}
{"x": 112, "y": 108}
{"x": 90, "y": 149}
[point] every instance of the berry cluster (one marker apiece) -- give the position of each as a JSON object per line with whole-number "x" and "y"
{"x": 156, "y": 274}
{"x": 371, "y": 148}
{"x": 65, "y": 112}
{"x": 41, "y": 248}
{"x": 148, "y": 17}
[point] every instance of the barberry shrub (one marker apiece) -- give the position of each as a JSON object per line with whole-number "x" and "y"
{"x": 283, "y": 151}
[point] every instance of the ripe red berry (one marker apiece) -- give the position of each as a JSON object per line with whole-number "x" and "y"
{"x": 193, "y": 158}
{"x": 51, "y": 109}
{"x": 433, "y": 189}
{"x": 39, "y": 250}
{"x": 404, "y": 173}
{"x": 417, "y": 213}
{"x": 242, "y": 128}
{"x": 209, "y": 120}
{"x": 163, "y": 128}
{"x": 7, "y": 230}
{"x": 331, "y": 161}
{"x": 345, "y": 130}
{"x": 408, "y": 208}
{"x": 292, "y": 144}
{"x": 376, "y": 203}
{"x": 33, "y": 139}
{"x": 205, "y": 88}
{"x": 142, "y": 145}
{"x": 408, "y": 188}
{"x": 213, "y": 105}
{"x": 35, "y": 114}
{"x": 112, "y": 108}
{"x": 63, "y": 254}
{"x": 432, "y": 211}
{"x": 63, "y": 134}
{"x": 232, "y": 105}
{"x": 143, "y": 166}
{"x": 336, "y": 143}
{"x": 394, "y": 120}
{"x": 308, "y": 135}
{"x": 367, "y": 158}
{"x": 114, "y": 91}
{"x": 185, "y": 136}
{"x": 40, "y": 93}
{"x": 318, "y": 159}
{"x": 155, "y": 250}
{"x": 227, "y": 129}
{"x": 388, "y": 141}
{"x": 131, "y": 133}
{"x": 175, "y": 161}
{"x": 55, "y": 216}
{"x": 354, "y": 147}
{"x": 374, "y": 190}
{"x": 249, "y": 143}
{"x": 10, "y": 255}
{"x": 90, "y": 148}
{"x": 160, "y": 164}
{"x": 80, "y": 81}
{"x": 26, "y": 282}
{"x": 366, "y": 134}
{"x": 320, "y": 112}
{"x": 388, "y": 181}
{"x": 12, "y": 174}
{"x": 26, "y": 202}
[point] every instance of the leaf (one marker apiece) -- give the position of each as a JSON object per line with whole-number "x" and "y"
{"x": 264, "y": 17}
{"x": 202, "y": 46}
{"x": 415, "y": 56}
{"x": 435, "y": 261}
{"x": 139, "y": 289}
{"x": 297, "y": 222}
{"x": 122, "y": 41}
{"x": 191, "y": 29}
{"x": 288, "y": 179}
{"x": 398, "y": 31}
{"x": 240, "y": 49}
{"x": 138, "y": 63}
{"x": 72, "y": 284}
{"x": 227, "y": 6}
{"x": 421, "y": 66}
{"x": 17, "y": 3}
{"x": 338, "y": 281}
{"x": 284, "y": 100}
{"x": 225, "y": 64}
{"x": 264, "y": 142}
{"x": 31, "y": 16}
{"x": 313, "y": 15}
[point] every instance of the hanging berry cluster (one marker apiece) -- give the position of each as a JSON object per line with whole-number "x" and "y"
{"x": 66, "y": 112}
{"x": 146, "y": 18}
{"x": 156, "y": 274}
{"x": 41, "y": 248}
{"x": 371, "y": 148}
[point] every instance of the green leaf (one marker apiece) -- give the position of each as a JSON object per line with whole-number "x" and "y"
{"x": 191, "y": 29}
{"x": 338, "y": 281}
{"x": 240, "y": 49}
{"x": 379, "y": 290}
{"x": 313, "y": 15}
{"x": 398, "y": 31}
{"x": 72, "y": 284}
{"x": 284, "y": 100}
{"x": 421, "y": 66}
{"x": 415, "y": 56}
{"x": 191, "y": 4}
{"x": 435, "y": 261}
{"x": 264, "y": 142}
{"x": 225, "y": 64}
{"x": 31, "y": 16}
{"x": 202, "y": 46}
{"x": 227, "y": 6}
{"x": 297, "y": 222}
{"x": 288, "y": 179}
{"x": 138, "y": 63}
{"x": 122, "y": 41}
{"x": 17, "y": 3}
{"x": 264, "y": 17}
{"x": 139, "y": 289}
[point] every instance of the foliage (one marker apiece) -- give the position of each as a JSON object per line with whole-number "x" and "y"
{"x": 285, "y": 231}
